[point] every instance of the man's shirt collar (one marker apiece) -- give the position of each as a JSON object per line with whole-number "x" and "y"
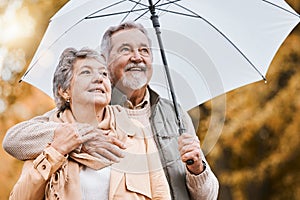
{"x": 118, "y": 98}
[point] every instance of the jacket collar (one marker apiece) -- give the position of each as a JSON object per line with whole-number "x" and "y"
{"x": 154, "y": 97}
{"x": 119, "y": 98}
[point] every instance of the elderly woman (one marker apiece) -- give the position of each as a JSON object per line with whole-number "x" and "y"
{"x": 82, "y": 92}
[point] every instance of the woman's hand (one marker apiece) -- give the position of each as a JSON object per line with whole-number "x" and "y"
{"x": 66, "y": 138}
{"x": 105, "y": 147}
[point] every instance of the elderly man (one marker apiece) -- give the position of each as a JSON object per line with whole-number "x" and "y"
{"x": 126, "y": 48}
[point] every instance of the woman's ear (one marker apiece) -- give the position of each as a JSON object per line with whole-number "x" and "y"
{"x": 64, "y": 93}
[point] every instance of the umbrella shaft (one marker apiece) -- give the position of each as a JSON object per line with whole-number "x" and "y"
{"x": 156, "y": 25}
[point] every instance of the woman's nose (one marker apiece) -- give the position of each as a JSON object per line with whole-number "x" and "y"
{"x": 98, "y": 77}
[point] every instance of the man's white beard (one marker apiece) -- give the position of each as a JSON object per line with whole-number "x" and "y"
{"x": 134, "y": 81}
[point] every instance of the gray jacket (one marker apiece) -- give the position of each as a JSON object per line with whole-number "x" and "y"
{"x": 183, "y": 185}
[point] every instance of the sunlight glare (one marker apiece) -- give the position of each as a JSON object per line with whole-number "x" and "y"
{"x": 2, "y": 106}
{"x": 3, "y": 53}
{"x": 16, "y": 23}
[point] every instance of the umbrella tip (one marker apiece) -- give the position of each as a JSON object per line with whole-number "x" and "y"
{"x": 264, "y": 78}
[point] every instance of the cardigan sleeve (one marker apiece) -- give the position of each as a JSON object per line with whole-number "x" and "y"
{"x": 35, "y": 174}
{"x": 28, "y": 139}
{"x": 204, "y": 185}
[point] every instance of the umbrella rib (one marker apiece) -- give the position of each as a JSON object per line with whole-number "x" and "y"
{"x": 156, "y": 6}
{"x": 163, "y": 4}
{"x": 117, "y": 13}
{"x": 88, "y": 17}
{"x": 47, "y": 49}
{"x": 132, "y": 10}
{"x": 220, "y": 32}
{"x": 136, "y": 3}
{"x": 141, "y": 15}
{"x": 169, "y": 2}
{"x": 178, "y": 13}
{"x": 286, "y": 10}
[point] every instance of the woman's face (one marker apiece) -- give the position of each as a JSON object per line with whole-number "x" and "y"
{"x": 90, "y": 84}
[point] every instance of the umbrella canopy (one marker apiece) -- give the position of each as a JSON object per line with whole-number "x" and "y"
{"x": 212, "y": 46}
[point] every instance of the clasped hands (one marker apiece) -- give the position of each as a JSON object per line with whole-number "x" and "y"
{"x": 68, "y": 137}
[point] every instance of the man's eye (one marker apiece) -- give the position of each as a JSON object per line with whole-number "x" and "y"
{"x": 125, "y": 50}
{"x": 144, "y": 51}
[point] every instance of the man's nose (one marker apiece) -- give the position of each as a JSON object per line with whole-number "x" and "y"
{"x": 136, "y": 56}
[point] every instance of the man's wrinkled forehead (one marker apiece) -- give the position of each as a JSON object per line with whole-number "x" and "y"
{"x": 128, "y": 36}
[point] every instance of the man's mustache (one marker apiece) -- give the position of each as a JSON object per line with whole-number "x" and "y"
{"x": 132, "y": 66}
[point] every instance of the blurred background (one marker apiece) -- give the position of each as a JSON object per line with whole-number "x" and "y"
{"x": 257, "y": 154}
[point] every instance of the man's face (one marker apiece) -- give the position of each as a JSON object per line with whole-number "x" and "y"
{"x": 130, "y": 60}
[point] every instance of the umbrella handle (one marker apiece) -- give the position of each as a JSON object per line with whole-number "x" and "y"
{"x": 190, "y": 161}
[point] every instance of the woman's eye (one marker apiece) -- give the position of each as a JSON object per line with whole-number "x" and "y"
{"x": 85, "y": 72}
{"x": 105, "y": 74}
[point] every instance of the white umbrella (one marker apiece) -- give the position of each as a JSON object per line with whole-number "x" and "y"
{"x": 212, "y": 46}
